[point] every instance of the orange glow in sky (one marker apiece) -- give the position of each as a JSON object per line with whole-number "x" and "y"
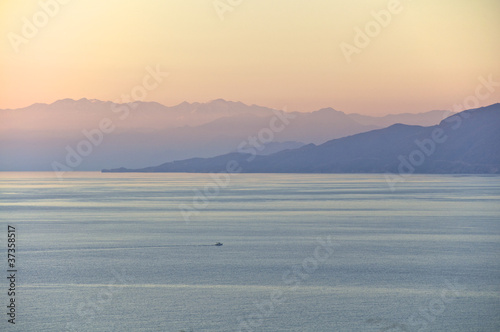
{"x": 425, "y": 55}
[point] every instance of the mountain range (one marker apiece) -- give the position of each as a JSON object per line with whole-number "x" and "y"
{"x": 467, "y": 142}
{"x": 42, "y": 136}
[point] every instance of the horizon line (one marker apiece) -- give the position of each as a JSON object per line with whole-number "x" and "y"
{"x": 229, "y": 101}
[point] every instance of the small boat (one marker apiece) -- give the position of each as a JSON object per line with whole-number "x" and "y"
{"x": 218, "y": 244}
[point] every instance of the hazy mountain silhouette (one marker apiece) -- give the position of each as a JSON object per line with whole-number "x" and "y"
{"x": 421, "y": 119}
{"x": 468, "y": 142}
{"x": 148, "y": 133}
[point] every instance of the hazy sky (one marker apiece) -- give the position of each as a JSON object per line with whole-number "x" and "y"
{"x": 277, "y": 53}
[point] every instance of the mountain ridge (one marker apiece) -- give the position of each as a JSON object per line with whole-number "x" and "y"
{"x": 467, "y": 142}
{"x": 33, "y": 138}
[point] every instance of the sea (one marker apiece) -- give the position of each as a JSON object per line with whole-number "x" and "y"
{"x": 301, "y": 252}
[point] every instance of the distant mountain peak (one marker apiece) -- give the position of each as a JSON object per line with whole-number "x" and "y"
{"x": 218, "y": 100}
{"x": 63, "y": 101}
{"x": 466, "y": 143}
{"x": 221, "y": 101}
{"x": 328, "y": 110}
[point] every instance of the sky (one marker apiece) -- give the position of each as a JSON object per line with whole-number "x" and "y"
{"x": 361, "y": 56}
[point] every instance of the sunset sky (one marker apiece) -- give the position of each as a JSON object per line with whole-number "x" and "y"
{"x": 276, "y": 53}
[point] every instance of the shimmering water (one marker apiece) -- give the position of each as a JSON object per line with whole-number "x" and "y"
{"x": 112, "y": 252}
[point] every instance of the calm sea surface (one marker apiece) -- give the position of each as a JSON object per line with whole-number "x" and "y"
{"x": 115, "y": 252}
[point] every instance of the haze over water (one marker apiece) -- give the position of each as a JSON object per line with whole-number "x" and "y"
{"x": 111, "y": 252}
